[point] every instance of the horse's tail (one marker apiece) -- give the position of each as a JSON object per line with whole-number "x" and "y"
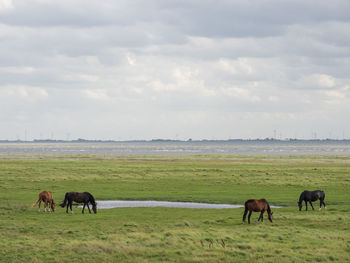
{"x": 37, "y": 202}
{"x": 91, "y": 199}
{"x": 323, "y": 194}
{"x": 64, "y": 201}
{"x": 246, "y": 204}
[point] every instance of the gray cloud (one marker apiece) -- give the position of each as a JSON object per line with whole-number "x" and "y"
{"x": 166, "y": 69}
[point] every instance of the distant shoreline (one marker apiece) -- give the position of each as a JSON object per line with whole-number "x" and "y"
{"x": 270, "y": 140}
{"x": 177, "y": 147}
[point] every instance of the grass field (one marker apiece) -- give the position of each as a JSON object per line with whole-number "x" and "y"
{"x": 173, "y": 234}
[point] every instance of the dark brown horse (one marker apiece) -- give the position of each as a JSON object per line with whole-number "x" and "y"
{"x": 47, "y": 198}
{"x": 85, "y": 198}
{"x": 257, "y": 206}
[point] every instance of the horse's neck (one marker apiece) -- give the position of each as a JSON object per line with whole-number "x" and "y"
{"x": 91, "y": 199}
{"x": 268, "y": 208}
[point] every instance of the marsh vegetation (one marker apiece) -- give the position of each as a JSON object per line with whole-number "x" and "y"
{"x": 174, "y": 234}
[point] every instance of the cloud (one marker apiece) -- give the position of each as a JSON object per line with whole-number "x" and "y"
{"x": 318, "y": 81}
{"x": 5, "y": 5}
{"x": 23, "y": 92}
{"x": 174, "y": 68}
{"x": 96, "y": 94}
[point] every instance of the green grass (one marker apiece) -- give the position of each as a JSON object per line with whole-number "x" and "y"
{"x": 172, "y": 234}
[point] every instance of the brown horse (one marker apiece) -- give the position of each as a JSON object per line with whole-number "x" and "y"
{"x": 257, "y": 206}
{"x": 47, "y": 198}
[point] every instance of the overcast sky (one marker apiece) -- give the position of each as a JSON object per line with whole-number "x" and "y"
{"x": 174, "y": 69}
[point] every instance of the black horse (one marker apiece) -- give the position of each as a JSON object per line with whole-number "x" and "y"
{"x": 79, "y": 198}
{"x": 311, "y": 196}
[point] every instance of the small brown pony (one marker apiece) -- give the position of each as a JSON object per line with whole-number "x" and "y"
{"x": 47, "y": 198}
{"x": 257, "y": 206}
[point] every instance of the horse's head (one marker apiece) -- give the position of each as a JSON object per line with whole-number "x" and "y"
{"x": 94, "y": 208}
{"x": 300, "y": 204}
{"x": 270, "y": 216}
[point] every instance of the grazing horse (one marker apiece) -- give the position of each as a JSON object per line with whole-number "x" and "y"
{"x": 79, "y": 198}
{"x": 47, "y": 198}
{"x": 257, "y": 206}
{"x": 312, "y": 196}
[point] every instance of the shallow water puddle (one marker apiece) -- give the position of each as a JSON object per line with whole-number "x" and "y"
{"x": 107, "y": 204}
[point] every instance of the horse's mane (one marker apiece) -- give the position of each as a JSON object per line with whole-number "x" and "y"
{"x": 268, "y": 207}
{"x": 301, "y": 198}
{"x": 92, "y": 199}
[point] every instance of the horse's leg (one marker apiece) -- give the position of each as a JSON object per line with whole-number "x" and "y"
{"x": 67, "y": 207}
{"x": 262, "y": 216}
{"x": 82, "y": 211}
{"x": 311, "y": 205}
{"x": 39, "y": 206}
{"x": 250, "y": 213}
{"x": 305, "y": 205}
{"x": 50, "y": 206}
{"x": 47, "y": 205}
{"x": 244, "y": 215}
{"x": 71, "y": 210}
{"x": 87, "y": 204}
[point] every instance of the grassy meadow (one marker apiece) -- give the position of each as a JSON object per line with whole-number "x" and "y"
{"x": 175, "y": 234}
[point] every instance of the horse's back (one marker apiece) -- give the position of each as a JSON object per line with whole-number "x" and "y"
{"x": 312, "y": 195}
{"x": 250, "y": 202}
{"x": 306, "y": 194}
{"x": 45, "y": 195}
{"x": 256, "y": 205}
{"x": 321, "y": 194}
{"x": 88, "y": 194}
{"x": 50, "y": 195}
{"x": 263, "y": 204}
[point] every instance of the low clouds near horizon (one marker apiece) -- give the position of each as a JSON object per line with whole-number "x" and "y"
{"x": 174, "y": 69}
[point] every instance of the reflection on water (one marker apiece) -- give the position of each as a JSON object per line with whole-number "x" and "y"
{"x": 180, "y": 148}
{"x": 106, "y": 204}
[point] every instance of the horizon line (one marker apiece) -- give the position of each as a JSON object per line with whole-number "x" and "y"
{"x": 80, "y": 140}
